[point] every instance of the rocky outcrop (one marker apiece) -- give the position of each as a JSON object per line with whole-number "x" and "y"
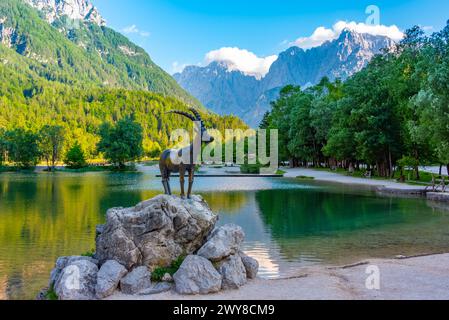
{"x": 197, "y": 275}
{"x": 251, "y": 265}
{"x": 108, "y": 278}
{"x": 74, "y": 9}
{"x": 155, "y": 232}
{"x": 11, "y": 38}
{"x": 134, "y": 242}
{"x": 223, "y": 242}
{"x": 225, "y": 90}
{"x": 233, "y": 272}
{"x": 136, "y": 281}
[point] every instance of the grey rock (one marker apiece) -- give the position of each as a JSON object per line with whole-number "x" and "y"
{"x": 99, "y": 230}
{"x": 108, "y": 278}
{"x": 251, "y": 266}
{"x": 73, "y": 9}
{"x": 136, "y": 281}
{"x": 63, "y": 262}
{"x": 157, "y": 288}
{"x": 167, "y": 278}
{"x": 77, "y": 281}
{"x": 233, "y": 272}
{"x": 155, "y": 232}
{"x": 197, "y": 275}
{"x": 222, "y": 243}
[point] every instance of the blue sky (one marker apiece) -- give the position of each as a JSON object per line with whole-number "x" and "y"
{"x": 183, "y": 32}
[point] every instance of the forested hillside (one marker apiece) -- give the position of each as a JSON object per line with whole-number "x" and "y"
{"x": 79, "y": 52}
{"x": 31, "y": 102}
{"x": 79, "y": 78}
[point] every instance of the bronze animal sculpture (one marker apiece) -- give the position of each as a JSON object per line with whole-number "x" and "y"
{"x": 171, "y": 160}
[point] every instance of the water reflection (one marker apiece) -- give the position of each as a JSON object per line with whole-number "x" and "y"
{"x": 288, "y": 224}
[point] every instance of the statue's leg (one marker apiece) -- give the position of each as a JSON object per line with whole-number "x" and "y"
{"x": 191, "y": 179}
{"x": 168, "y": 184}
{"x": 182, "y": 174}
{"x": 165, "y": 184}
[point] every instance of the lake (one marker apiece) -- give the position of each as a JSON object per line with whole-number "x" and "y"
{"x": 289, "y": 223}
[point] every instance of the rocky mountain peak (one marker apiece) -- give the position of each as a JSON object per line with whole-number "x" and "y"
{"x": 73, "y": 9}
{"x": 249, "y": 98}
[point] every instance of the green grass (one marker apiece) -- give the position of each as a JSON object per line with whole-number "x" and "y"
{"x": 159, "y": 272}
{"x": 89, "y": 254}
{"x": 281, "y": 172}
{"x": 51, "y": 295}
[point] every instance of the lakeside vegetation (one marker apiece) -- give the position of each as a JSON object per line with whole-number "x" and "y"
{"x": 58, "y": 118}
{"x": 387, "y": 119}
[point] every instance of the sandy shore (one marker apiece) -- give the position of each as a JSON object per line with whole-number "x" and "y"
{"x": 419, "y": 278}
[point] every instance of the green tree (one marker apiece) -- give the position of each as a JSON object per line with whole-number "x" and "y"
{"x": 121, "y": 143}
{"x": 23, "y": 148}
{"x": 75, "y": 157}
{"x": 3, "y": 146}
{"x": 432, "y": 102}
{"x": 51, "y": 143}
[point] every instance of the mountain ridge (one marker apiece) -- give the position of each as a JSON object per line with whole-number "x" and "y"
{"x": 81, "y": 51}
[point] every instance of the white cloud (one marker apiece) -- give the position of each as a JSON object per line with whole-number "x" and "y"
{"x": 133, "y": 29}
{"x": 323, "y": 34}
{"x": 178, "y": 67}
{"x": 242, "y": 60}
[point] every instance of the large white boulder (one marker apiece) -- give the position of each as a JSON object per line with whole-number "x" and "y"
{"x": 223, "y": 242}
{"x": 108, "y": 278}
{"x": 155, "y": 232}
{"x": 233, "y": 272}
{"x": 136, "y": 281}
{"x": 77, "y": 281}
{"x": 197, "y": 275}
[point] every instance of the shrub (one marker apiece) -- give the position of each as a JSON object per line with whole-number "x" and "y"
{"x": 75, "y": 157}
{"x": 159, "y": 273}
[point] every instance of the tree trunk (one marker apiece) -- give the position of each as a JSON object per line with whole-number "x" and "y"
{"x": 441, "y": 171}
{"x": 390, "y": 162}
{"x": 402, "y": 178}
{"x": 417, "y": 175}
{"x": 447, "y": 167}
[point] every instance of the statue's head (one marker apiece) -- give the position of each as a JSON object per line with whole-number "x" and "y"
{"x": 199, "y": 127}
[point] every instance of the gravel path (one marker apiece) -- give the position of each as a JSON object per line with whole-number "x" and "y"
{"x": 335, "y": 177}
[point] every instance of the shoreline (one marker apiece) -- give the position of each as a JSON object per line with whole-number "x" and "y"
{"x": 424, "y": 277}
{"x": 383, "y": 187}
{"x": 338, "y": 178}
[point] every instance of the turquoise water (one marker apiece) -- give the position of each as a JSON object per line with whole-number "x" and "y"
{"x": 289, "y": 224}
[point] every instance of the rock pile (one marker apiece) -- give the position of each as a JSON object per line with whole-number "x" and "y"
{"x": 135, "y": 242}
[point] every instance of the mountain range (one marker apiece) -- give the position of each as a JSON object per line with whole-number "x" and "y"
{"x": 68, "y": 41}
{"x": 233, "y": 92}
